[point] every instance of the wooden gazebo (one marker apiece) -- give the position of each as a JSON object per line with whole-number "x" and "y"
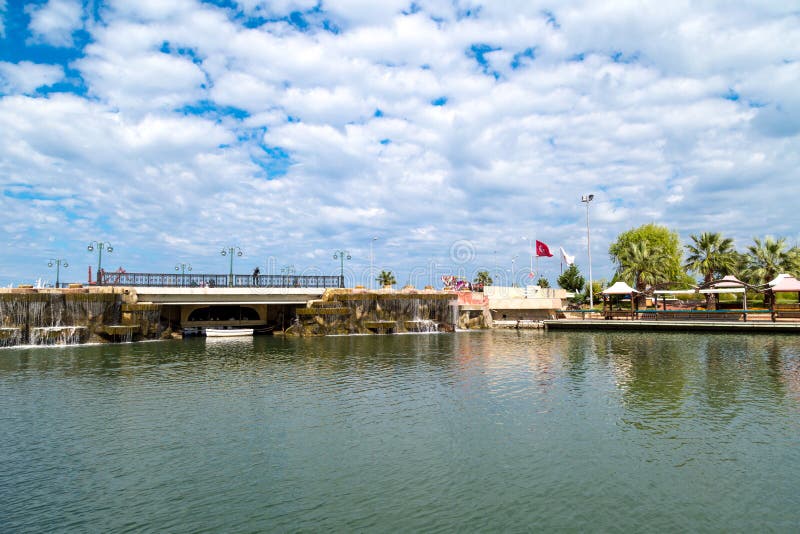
{"x": 619, "y": 288}
{"x": 784, "y": 284}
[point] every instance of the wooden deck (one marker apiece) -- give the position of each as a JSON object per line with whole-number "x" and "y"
{"x": 694, "y": 325}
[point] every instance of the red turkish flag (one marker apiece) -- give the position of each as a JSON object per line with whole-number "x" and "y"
{"x": 542, "y": 250}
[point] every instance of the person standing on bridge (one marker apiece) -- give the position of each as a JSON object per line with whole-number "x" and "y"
{"x": 256, "y": 272}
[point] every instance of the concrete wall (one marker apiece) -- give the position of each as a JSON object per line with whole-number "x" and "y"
{"x": 532, "y": 303}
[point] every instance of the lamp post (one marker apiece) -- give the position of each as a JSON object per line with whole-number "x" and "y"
{"x": 58, "y": 262}
{"x": 231, "y": 251}
{"x": 341, "y": 255}
{"x": 183, "y": 267}
{"x": 286, "y": 272}
{"x": 586, "y": 199}
{"x": 513, "y": 272}
{"x": 371, "y": 275}
{"x": 100, "y": 246}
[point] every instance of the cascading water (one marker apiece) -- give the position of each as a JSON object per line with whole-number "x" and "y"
{"x": 422, "y": 326}
{"x": 57, "y": 335}
{"x": 376, "y": 312}
{"x": 10, "y": 337}
{"x": 55, "y": 318}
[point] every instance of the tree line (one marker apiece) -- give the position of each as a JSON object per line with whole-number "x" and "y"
{"x": 651, "y": 257}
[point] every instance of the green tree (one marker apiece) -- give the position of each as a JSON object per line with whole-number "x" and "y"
{"x": 571, "y": 279}
{"x": 648, "y": 255}
{"x": 483, "y": 278}
{"x": 641, "y": 266}
{"x": 767, "y": 259}
{"x": 543, "y": 282}
{"x": 659, "y": 240}
{"x": 711, "y": 255}
{"x": 386, "y": 278}
{"x": 597, "y": 288}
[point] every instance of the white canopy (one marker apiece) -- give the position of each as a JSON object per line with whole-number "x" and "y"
{"x": 787, "y": 284}
{"x": 723, "y": 289}
{"x": 728, "y": 281}
{"x": 619, "y": 288}
{"x": 779, "y": 278}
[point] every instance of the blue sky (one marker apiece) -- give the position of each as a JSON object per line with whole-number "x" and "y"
{"x": 451, "y": 130}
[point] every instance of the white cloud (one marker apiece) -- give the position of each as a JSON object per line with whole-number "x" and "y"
{"x": 54, "y": 22}
{"x": 146, "y": 81}
{"x": 674, "y": 114}
{"x": 275, "y": 8}
{"x": 26, "y": 77}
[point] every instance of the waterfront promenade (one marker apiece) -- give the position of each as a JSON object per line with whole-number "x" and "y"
{"x": 697, "y": 325}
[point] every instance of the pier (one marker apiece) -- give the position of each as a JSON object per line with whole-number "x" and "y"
{"x": 674, "y": 326}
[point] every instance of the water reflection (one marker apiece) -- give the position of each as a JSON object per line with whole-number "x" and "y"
{"x": 312, "y": 434}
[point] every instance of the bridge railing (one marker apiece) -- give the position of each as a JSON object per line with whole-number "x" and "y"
{"x": 217, "y": 280}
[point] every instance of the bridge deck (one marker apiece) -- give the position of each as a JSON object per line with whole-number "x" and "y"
{"x": 224, "y": 295}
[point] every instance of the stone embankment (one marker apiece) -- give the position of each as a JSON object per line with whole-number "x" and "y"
{"x": 30, "y": 316}
{"x": 385, "y": 311}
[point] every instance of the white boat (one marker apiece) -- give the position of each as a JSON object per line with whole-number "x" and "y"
{"x": 228, "y": 332}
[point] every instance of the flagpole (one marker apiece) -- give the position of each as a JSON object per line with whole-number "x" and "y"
{"x": 530, "y": 249}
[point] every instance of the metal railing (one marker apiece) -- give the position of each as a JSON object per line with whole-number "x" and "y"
{"x": 217, "y": 280}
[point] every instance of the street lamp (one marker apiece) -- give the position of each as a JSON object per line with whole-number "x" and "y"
{"x": 100, "y": 246}
{"x": 58, "y": 262}
{"x": 371, "y": 276}
{"x": 286, "y": 272}
{"x": 183, "y": 267}
{"x": 586, "y": 199}
{"x": 231, "y": 251}
{"x": 341, "y": 255}
{"x": 513, "y": 273}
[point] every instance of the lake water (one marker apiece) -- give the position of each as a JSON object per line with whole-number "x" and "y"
{"x": 512, "y": 431}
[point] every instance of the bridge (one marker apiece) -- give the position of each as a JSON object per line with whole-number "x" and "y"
{"x": 126, "y": 279}
{"x": 214, "y": 300}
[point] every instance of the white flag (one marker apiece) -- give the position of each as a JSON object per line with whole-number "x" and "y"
{"x": 569, "y": 260}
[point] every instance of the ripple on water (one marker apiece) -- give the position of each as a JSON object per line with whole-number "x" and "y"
{"x": 472, "y": 431}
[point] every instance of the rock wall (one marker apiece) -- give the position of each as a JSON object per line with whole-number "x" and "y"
{"x": 349, "y": 311}
{"x": 69, "y": 316}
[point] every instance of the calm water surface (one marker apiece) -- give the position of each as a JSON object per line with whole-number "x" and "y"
{"x": 451, "y": 432}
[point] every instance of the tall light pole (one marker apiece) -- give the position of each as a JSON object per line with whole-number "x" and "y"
{"x": 341, "y": 255}
{"x": 513, "y": 272}
{"x": 286, "y": 272}
{"x": 586, "y": 199}
{"x": 231, "y": 251}
{"x": 58, "y": 262}
{"x": 100, "y": 246}
{"x": 183, "y": 267}
{"x": 371, "y": 275}
{"x": 530, "y": 251}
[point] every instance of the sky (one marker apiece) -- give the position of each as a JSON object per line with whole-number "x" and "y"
{"x": 454, "y": 131}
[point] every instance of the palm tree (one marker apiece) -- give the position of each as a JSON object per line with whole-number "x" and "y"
{"x": 482, "y": 278}
{"x": 711, "y": 255}
{"x": 642, "y": 265}
{"x": 386, "y": 278}
{"x": 767, "y": 259}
